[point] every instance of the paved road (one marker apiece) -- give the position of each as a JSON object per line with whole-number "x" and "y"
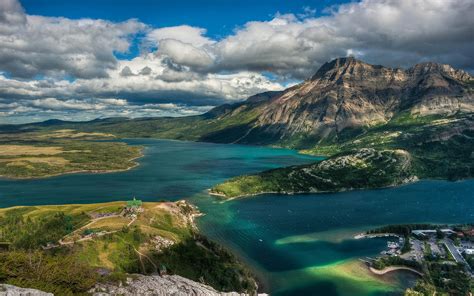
{"x": 454, "y": 252}
{"x": 417, "y": 249}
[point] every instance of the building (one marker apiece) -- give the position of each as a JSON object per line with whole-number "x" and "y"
{"x": 162, "y": 270}
{"x": 134, "y": 204}
{"x": 469, "y": 251}
{"x": 428, "y": 232}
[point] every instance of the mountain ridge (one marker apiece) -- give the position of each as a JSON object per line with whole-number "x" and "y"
{"x": 348, "y": 93}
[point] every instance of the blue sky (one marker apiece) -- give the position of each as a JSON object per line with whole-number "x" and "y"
{"x": 80, "y": 60}
{"x": 219, "y": 17}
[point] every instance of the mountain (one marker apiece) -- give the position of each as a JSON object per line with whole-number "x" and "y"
{"x": 349, "y": 94}
{"x": 379, "y": 127}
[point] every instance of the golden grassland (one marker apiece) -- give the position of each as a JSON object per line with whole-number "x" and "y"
{"x": 20, "y": 150}
{"x": 44, "y": 154}
{"x": 166, "y": 217}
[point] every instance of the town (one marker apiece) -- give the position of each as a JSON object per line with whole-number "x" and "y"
{"x": 443, "y": 256}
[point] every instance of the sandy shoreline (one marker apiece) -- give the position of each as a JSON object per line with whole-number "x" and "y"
{"x": 393, "y": 268}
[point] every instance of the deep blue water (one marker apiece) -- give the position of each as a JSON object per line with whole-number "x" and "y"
{"x": 169, "y": 170}
{"x": 299, "y": 245}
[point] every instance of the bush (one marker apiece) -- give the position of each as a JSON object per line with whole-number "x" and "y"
{"x": 45, "y": 272}
{"x": 202, "y": 260}
{"x": 26, "y": 233}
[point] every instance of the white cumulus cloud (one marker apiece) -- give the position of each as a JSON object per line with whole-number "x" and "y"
{"x": 68, "y": 68}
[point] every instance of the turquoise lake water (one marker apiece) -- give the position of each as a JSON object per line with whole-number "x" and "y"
{"x": 298, "y": 245}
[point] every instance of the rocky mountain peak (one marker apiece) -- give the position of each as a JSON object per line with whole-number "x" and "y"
{"x": 347, "y": 93}
{"x": 346, "y": 68}
{"x": 431, "y": 68}
{"x": 350, "y": 68}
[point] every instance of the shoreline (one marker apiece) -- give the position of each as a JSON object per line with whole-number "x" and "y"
{"x": 364, "y": 235}
{"x": 394, "y": 268}
{"x": 223, "y": 196}
{"x": 256, "y": 277}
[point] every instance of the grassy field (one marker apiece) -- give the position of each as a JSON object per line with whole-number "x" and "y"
{"x": 108, "y": 236}
{"x": 43, "y": 154}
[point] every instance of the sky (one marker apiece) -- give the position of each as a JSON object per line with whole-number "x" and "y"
{"x": 81, "y": 60}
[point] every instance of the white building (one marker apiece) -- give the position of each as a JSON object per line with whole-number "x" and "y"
{"x": 469, "y": 251}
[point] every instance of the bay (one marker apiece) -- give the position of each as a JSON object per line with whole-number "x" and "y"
{"x": 298, "y": 245}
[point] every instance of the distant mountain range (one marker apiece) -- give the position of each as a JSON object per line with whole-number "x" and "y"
{"x": 347, "y": 94}
{"x": 424, "y": 113}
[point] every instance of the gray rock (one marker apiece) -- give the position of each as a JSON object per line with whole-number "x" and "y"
{"x": 10, "y": 290}
{"x": 167, "y": 285}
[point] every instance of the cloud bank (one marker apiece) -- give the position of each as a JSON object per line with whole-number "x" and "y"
{"x": 59, "y": 67}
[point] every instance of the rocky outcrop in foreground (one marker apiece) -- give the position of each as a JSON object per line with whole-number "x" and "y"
{"x": 9, "y": 290}
{"x": 167, "y": 285}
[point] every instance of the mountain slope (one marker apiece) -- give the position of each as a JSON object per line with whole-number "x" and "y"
{"x": 345, "y": 99}
{"x": 344, "y": 95}
{"x": 408, "y": 148}
{"x": 348, "y": 94}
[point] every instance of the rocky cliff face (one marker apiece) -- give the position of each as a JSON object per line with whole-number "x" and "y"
{"x": 349, "y": 93}
{"x": 168, "y": 285}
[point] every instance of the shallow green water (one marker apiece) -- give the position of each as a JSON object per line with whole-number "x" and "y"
{"x": 304, "y": 244}
{"x": 299, "y": 245}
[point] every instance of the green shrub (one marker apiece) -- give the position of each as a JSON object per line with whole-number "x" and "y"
{"x": 39, "y": 270}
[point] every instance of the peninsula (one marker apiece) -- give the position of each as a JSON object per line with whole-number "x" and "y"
{"x": 111, "y": 243}
{"x": 37, "y": 154}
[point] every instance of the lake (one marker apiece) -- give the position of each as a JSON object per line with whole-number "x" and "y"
{"x": 298, "y": 245}
{"x": 303, "y": 244}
